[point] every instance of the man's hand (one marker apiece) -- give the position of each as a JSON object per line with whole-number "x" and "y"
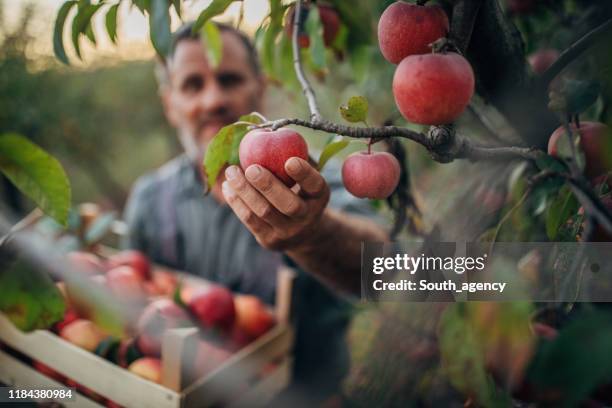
{"x": 280, "y": 218}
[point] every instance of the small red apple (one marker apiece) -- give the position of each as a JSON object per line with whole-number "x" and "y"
{"x": 148, "y": 368}
{"x": 48, "y": 371}
{"x": 214, "y": 308}
{"x": 125, "y": 282}
{"x": 271, "y": 149}
{"x": 596, "y": 143}
{"x": 135, "y": 259}
{"x": 82, "y": 333}
{"x": 371, "y": 175}
{"x": 158, "y": 316}
{"x": 433, "y": 89}
{"x": 252, "y": 316}
{"x": 329, "y": 20}
{"x": 408, "y": 29}
{"x": 540, "y": 60}
{"x": 165, "y": 282}
{"x": 85, "y": 262}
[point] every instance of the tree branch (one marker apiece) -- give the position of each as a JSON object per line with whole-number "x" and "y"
{"x": 441, "y": 142}
{"x": 315, "y": 114}
{"x": 571, "y": 53}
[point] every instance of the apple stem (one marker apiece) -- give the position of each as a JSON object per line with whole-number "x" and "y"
{"x": 370, "y": 146}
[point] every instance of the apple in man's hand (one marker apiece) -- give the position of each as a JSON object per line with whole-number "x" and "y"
{"x": 271, "y": 149}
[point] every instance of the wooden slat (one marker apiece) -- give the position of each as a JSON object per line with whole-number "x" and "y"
{"x": 88, "y": 369}
{"x": 18, "y": 374}
{"x": 229, "y": 379}
{"x": 265, "y": 390}
{"x": 284, "y": 289}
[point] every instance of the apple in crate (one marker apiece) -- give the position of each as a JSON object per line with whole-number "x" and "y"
{"x": 126, "y": 283}
{"x": 133, "y": 259}
{"x": 214, "y": 308}
{"x": 148, "y": 368}
{"x": 157, "y": 317}
{"x": 252, "y": 317}
{"x": 83, "y": 333}
{"x": 85, "y": 262}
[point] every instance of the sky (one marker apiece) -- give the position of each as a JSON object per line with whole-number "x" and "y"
{"x": 133, "y": 26}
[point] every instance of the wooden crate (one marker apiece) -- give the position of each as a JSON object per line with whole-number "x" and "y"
{"x": 250, "y": 377}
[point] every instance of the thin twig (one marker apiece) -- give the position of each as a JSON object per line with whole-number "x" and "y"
{"x": 461, "y": 149}
{"x": 573, "y": 51}
{"x": 315, "y": 114}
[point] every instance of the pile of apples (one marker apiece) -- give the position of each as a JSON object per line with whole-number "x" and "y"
{"x": 227, "y": 321}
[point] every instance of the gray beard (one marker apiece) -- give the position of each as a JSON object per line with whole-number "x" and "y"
{"x": 192, "y": 149}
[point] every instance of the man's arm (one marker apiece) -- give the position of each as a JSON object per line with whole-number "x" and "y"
{"x": 324, "y": 242}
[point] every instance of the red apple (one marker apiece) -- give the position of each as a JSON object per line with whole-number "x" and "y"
{"x": 135, "y": 259}
{"x": 271, "y": 149}
{"x": 189, "y": 291}
{"x": 125, "y": 282}
{"x": 596, "y": 143}
{"x": 48, "y": 371}
{"x": 540, "y": 60}
{"x": 158, "y": 316}
{"x": 371, "y": 175}
{"x": 215, "y": 308}
{"x": 433, "y": 89}
{"x": 408, "y": 29}
{"x": 165, "y": 282}
{"x": 85, "y": 262}
{"x": 329, "y": 20}
{"x": 148, "y": 368}
{"x": 252, "y": 316}
{"x": 82, "y": 333}
{"x": 70, "y": 315}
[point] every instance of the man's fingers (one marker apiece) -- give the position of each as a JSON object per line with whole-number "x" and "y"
{"x": 255, "y": 224}
{"x": 309, "y": 179}
{"x": 253, "y": 198}
{"x": 282, "y": 198}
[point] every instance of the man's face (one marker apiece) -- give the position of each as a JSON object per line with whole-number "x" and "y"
{"x": 201, "y": 99}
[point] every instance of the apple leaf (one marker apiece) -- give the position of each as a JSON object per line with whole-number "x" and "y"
{"x": 177, "y": 6}
{"x": 356, "y": 110}
{"x": 159, "y": 26}
{"x": 578, "y": 360}
{"x": 111, "y": 22}
{"x": 81, "y": 22}
{"x": 58, "y": 31}
{"x": 36, "y": 174}
{"x": 559, "y": 211}
{"x": 29, "y": 297}
{"x": 213, "y": 46}
{"x": 314, "y": 28}
{"x": 224, "y": 147}
{"x": 143, "y": 5}
{"x": 214, "y": 9}
{"x": 330, "y": 150}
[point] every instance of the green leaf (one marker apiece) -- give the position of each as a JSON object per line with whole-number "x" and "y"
{"x": 559, "y": 211}
{"x": 37, "y": 175}
{"x": 29, "y": 298}
{"x": 89, "y": 32}
{"x": 330, "y": 151}
{"x": 81, "y": 22}
{"x": 216, "y": 7}
{"x": 224, "y": 147}
{"x": 111, "y": 23}
{"x": 356, "y": 110}
{"x": 58, "y": 32}
{"x": 177, "y": 7}
{"x": 143, "y": 5}
{"x": 578, "y": 360}
{"x": 213, "y": 46}
{"x": 159, "y": 27}
{"x": 550, "y": 163}
{"x": 314, "y": 28}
